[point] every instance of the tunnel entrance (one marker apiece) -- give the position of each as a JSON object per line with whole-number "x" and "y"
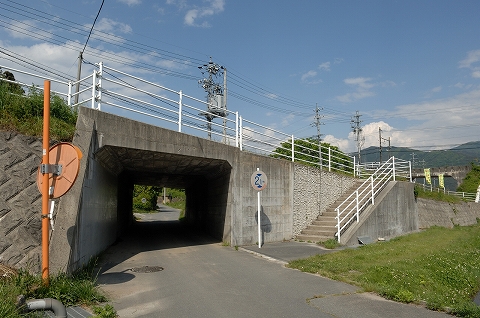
{"x": 204, "y": 181}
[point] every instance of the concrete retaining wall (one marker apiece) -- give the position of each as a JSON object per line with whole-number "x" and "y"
{"x": 20, "y": 201}
{"x": 394, "y": 213}
{"x": 276, "y": 201}
{"x": 437, "y": 213}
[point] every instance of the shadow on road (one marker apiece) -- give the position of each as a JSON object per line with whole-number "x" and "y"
{"x": 147, "y": 234}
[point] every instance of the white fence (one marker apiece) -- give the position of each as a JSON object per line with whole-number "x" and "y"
{"x": 468, "y": 197}
{"x": 125, "y": 95}
{"x": 350, "y": 210}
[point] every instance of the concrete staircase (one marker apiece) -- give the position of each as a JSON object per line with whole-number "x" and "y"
{"x": 323, "y": 228}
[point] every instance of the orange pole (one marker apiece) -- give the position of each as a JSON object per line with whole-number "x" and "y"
{"x": 45, "y": 183}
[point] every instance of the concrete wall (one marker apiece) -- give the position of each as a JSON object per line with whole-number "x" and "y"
{"x": 394, "y": 213}
{"x": 310, "y": 199}
{"x": 276, "y": 201}
{"x": 437, "y": 213}
{"x": 86, "y": 223}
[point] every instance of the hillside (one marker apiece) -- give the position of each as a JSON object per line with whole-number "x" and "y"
{"x": 461, "y": 155}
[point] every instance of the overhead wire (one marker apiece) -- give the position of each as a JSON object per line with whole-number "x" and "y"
{"x": 235, "y": 79}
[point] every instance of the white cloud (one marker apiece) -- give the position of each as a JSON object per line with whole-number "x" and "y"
{"x": 472, "y": 57}
{"x": 130, "y": 2}
{"x": 324, "y": 66}
{"x": 363, "y": 88}
{"x": 337, "y": 60}
{"x": 109, "y": 25}
{"x": 476, "y": 72}
{"x": 308, "y": 75}
{"x": 26, "y": 29}
{"x": 193, "y": 15}
{"x": 271, "y": 96}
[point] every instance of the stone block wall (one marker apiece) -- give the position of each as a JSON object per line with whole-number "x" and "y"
{"x": 20, "y": 201}
{"x": 310, "y": 199}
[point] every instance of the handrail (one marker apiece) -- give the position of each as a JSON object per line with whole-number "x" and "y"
{"x": 120, "y": 92}
{"x": 351, "y": 208}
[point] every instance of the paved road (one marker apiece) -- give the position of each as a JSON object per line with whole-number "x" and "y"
{"x": 202, "y": 278}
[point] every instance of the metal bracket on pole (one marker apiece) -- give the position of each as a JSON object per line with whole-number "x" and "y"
{"x": 53, "y": 169}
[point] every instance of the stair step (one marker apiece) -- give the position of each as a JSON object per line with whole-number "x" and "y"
{"x": 319, "y": 233}
{"x": 322, "y": 222}
{"x": 320, "y": 227}
{"x": 314, "y": 238}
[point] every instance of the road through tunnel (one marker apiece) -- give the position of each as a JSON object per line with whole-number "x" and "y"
{"x": 206, "y": 182}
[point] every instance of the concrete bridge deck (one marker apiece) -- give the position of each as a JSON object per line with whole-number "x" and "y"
{"x": 456, "y": 172}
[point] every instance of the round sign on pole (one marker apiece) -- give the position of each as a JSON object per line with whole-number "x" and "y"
{"x": 259, "y": 180}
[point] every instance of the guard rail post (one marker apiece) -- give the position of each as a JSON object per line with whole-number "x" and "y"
{"x": 373, "y": 191}
{"x": 94, "y": 82}
{"x": 338, "y": 224}
{"x": 356, "y": 194}
{"x": 241, "y": 133}
{"x": 180, "y": 96}
{"x": 293, "y": 150}
{"x": 329, "y": 160}
{"x": 236, "y": 130}
{"x": 393, "y": 168}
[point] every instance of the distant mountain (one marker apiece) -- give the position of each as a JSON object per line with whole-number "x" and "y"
{"x": 458, "y": 156}
{"x": 462, "y": 155}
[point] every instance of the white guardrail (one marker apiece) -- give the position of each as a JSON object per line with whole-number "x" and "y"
{"x": 125, "y": 95}
{"x": 350, "y": 210}
{"x": 466, "y": 196}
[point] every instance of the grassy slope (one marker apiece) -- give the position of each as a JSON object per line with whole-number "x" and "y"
{"x": 438, "y": 266}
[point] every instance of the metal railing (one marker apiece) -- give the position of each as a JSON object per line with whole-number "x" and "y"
{"x": 350, "y": 210}
{"x": 123, "y": 94}
{"x": 466, "y": 196}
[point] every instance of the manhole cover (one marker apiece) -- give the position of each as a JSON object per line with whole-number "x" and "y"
{"x": 147, "y": 269}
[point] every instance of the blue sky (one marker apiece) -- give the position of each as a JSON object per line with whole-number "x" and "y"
{"x": 411, "y": 68}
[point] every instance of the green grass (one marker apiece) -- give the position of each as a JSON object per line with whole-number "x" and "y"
{"x": 76, "y": 289}
{"x": 330, "y": 244}
{"x": 438, "y": 266}
{"x": 22, "y": 112}
{"x": 437, "y": 196}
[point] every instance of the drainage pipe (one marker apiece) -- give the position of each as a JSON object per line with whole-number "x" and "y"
{"x": 47, "y": 304}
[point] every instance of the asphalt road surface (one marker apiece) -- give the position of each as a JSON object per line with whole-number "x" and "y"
{"x": 161, "y": 269}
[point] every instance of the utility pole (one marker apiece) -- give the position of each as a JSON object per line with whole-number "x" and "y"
{"x": 414, "y": 161}
{"x": 79, "y": 72}
{"x": 317, "y": 123}
{"x": 382, "y": 140}
{"x": 357, "y": 131}
{"x": 216, "y": 95}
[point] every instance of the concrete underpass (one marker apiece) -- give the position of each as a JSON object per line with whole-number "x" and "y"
{"x": 119, "y": 153}
{"x": 205, "y": 181}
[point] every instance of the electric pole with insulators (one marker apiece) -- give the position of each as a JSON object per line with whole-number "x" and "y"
{"x": 357, "y": 132}
{"x": 216, "y": 94}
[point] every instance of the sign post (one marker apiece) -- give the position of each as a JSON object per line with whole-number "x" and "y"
{"x": 258, "y": 180}
{"x": 45, "y": 187}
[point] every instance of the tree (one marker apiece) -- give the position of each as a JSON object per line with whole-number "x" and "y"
{"x": 306, "y": 152}
{"x": 472, "y": 180}
{"x": 14, "y": 88}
